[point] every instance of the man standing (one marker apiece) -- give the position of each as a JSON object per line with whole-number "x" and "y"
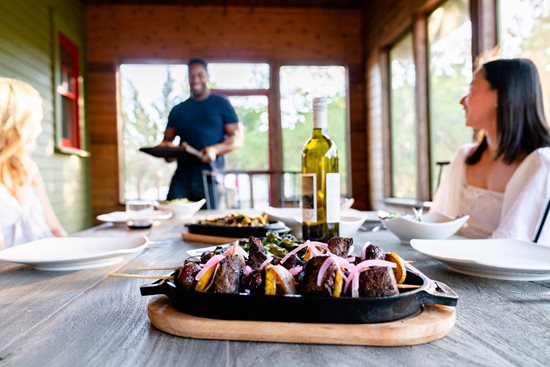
{"x": 206, "y": 122}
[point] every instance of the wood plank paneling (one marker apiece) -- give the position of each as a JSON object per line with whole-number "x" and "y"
{"x": 26, "y": 54}
{"x": 281, "y": 36}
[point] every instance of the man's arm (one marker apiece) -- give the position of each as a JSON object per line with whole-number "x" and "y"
{"x": 234, "y": 138}
{"x": 169, "y": 136}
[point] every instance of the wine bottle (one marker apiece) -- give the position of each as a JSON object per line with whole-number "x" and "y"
{"x": 320, "y": 180}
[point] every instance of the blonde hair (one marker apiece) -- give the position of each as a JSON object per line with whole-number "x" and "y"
{"x": 20, "y": 125}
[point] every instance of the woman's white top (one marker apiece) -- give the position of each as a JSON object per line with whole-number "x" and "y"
{"x": 477, "y": 202}
{"x": 512, "y": 214}
{"x": 22, "y": 222}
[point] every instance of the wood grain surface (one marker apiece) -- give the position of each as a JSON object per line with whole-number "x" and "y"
{"x": 433, "y": 323}
{"x": 202, "y": 238}
{"x": 84, "y": 318}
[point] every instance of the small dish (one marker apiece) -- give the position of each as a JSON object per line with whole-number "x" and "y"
{"x": 433, "y": 226}
{"x": 73, "y": 253}
{"x": 121, "y": 217}
{"x": 182, "y": 209}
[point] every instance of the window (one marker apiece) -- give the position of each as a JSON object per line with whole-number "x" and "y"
{"x": 68, "y": 89}
{"x": 403, "y": 119}
{"x": 247, "y": 87}
{"x": 450, "y": 70}
{"x": 524, "y": 26}
{"x": 148, "y": 93}
{"x": 299, "y": 85}
{"x": 419, "y": 141}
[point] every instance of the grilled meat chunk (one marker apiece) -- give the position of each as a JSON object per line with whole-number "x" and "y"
{"x": 377, "y": 281}
{"x": 311, "y": 272}
{"x": 254, "y": 282}
{"x": 228, "y": 275}
{"x": 185, "y": 276}
{"x": 339, "y": 246}
{"x": 256, "y": 253}
{"x": 289, "y": 263}
{"x": 374, "y": 252}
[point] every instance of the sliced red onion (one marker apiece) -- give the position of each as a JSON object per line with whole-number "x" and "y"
{"x": 368, "y": 263}
{"x": 267, "y": 261}
{"x": 295, "y": 270}
{"x": 328, "y": 262}
{"x": 236, "y": 250}
{"x": 333, "y": 259}
{"x": 318, "y": 244}
{"x": 213, "y": 261}
{"x": 303, "y": 245}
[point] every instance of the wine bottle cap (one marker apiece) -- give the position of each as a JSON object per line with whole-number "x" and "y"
{"x": 320, "y": 113}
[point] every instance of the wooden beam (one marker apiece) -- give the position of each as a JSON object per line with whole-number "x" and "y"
{"x": 420, "y": 42}
{"x": 484, "y": 26}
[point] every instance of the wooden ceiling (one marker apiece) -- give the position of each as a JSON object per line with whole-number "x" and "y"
{"x": 336, "y": 4}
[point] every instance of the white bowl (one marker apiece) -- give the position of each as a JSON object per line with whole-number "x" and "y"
{"x": 434, "y": 226}
{"x": 292, "y": 217}
{"x": 349, "y": 225}
{"x": 183, "y": 209}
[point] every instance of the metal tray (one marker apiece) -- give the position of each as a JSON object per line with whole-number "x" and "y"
{"x": 167, "y": 152}
{"x": 297, "y": 308}
{"x": 237, "y": 232}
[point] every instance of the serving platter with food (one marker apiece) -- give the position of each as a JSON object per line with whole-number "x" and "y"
{"x": 312, "y": 283}
{"x": 236, "y": 225}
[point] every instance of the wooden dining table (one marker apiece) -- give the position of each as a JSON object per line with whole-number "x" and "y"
{"x": 86, "y": 318}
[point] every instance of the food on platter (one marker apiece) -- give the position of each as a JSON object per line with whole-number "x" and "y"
{"x": 283, "y": 266}
{"x": 236, "y": 220}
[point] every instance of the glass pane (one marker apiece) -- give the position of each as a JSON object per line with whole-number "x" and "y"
{"x": 403, "y": 120}
{"x": 238, "y": 76}
{"x": 148, "y": 92}
{"x": 68, "y": 119}
{"x": 299, "y": 85}
{"x": 524, "y": 29}
{"x": 254, "y": 155}
{"x": 450, "y": 70}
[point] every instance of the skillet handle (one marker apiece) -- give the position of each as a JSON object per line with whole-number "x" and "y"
{"x": 440, "y": 294}
{"x": 159, "y": 287}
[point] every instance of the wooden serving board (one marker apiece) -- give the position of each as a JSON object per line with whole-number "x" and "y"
{"x": 202, "y": 238}
{"x": 433, "y": 323}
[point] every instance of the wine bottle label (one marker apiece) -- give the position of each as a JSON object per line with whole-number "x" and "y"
{"x": 309, "y": 197}
{"x": 333, "y": 197}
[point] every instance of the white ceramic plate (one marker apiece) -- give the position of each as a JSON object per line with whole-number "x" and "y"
{"x": 73, "y": 253}
{"x": 507, "y": 259}
{"x": 291, "y": 216}
{"x": 122, "y": 217}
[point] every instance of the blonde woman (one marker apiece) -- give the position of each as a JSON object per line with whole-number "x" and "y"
{"x": 25, "y": 211}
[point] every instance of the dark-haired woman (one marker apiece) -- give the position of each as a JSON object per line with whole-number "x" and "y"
{"x": 503, "y": 181}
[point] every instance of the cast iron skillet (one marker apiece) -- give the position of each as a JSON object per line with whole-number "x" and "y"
{"x": 237, "y": 232}
{"x": 343, "y": 310}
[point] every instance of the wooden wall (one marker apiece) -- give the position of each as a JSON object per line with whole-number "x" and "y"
{"x": 117, "y": 33}
{"x": 26, "y": 53}
{"x": 385, "y": 21}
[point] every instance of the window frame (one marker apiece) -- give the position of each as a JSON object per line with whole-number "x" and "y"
{"x": 65, "y": 37}
{"x": 483, "y": 16}
{"x": 275, "y": 154}
{"x": 348, "y": 124}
